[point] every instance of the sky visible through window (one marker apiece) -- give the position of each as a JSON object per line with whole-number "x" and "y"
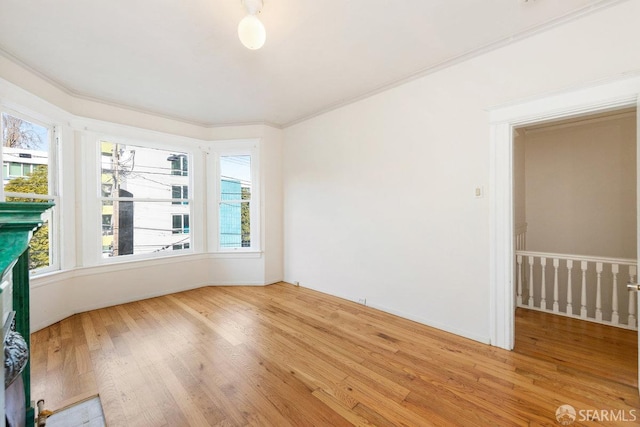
{"x": 236, "y": 168}
{"x": 28, "y": 133}
{"x": 43, "y": 135}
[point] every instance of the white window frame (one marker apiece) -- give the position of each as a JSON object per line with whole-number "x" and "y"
{"x": 217, "y": 149}
{"x": 96, "y": 194}
{"x": 53, "y": 168}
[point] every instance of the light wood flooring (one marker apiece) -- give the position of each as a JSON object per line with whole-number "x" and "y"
{"x": 287, "y": 356}
{"x": 584, "y": 348}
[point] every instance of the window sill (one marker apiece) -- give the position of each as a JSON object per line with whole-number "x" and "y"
{"x": 44, "y": 279}
{"x": 236, "y": 254}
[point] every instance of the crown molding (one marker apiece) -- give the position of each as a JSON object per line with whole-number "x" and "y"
{"x": 561, "y": 20}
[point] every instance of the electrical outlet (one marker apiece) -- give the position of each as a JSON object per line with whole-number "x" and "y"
{"x": 362, "y": 301}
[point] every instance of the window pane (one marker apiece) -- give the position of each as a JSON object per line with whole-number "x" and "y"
{"x": 180, "y": 224}
{"x": 177, "y": 224}
{"x": 175, "y": 166}
{"x": 235, "y": 225}
{"x": 139, "y": 227}
{"x": 185, "y": 165}
{"x": 230, "y": 190}
{"x": 15, "y": 169}
{"x": 176, "y": 193}
{"x": 107, "y": 189}
{"x": 26, "y": 150}
{"x": 143, "y": 172}
{"x": 235, "y": 194}
{"x": 107, "y": 227}
{"x": 245, "y": 225}
{"x": 35, "y": 182}
{"x": 179, "y": 164}
{"x": 40, "y": 248}
{"x": 25, "y": 156}
{"x": 235, "y": 177}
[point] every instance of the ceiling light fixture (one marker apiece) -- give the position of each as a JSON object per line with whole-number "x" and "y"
{"x": 250, "y": 30}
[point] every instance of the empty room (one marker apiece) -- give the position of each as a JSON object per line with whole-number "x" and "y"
{"x": 319, "y": 213}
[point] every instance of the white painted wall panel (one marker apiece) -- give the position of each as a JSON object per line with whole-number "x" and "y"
{"x": 581, "y": 188}
{"x": 379, "y": 195}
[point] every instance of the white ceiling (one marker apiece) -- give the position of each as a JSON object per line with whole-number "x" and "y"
{"x": 183, "y": 59}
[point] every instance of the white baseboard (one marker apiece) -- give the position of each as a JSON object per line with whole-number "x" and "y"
{"x": 419, "y": 319}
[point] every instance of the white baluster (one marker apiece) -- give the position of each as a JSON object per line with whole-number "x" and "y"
{"x": 583, "y": 296}
{"x": 556, "y": 263}
{"x": 615, "y": 316}
{"x": 530, "y": 281}
{"x": 543, "y": 292}
{"x": 519, "y": 299}
{"x": 599, "y": 291}
{"x": 569, "y": 290}
{"x": 631, "y": 322}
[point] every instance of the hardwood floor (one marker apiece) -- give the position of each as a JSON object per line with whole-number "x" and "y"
{"x": 287, "y": 356}
{"x": 588, "y": 349}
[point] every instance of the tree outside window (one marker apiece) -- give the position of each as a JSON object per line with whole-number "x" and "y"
{"x": 25, "y": 147}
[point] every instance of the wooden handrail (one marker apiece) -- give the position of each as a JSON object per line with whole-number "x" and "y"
{"x": 588, "y": 258}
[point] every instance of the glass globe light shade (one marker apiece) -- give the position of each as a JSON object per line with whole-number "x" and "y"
{"x": 251, "y": 32}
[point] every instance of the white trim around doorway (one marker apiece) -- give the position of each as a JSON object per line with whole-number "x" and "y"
{"x": 623, "y": 92}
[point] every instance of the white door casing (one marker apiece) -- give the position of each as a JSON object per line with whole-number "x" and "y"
{"x": 619, "y": 93}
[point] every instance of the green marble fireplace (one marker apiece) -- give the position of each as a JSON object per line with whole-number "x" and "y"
{"x": 18, "y": 220}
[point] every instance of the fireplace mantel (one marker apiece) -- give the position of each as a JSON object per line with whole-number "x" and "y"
{"x": 18, "y": 220}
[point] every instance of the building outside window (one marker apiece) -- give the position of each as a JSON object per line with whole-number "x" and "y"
{"x": 141, "y": 203}
{"x": 234, "y": 212}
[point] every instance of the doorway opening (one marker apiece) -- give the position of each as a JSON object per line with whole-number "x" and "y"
{"x": 575, "y": 238}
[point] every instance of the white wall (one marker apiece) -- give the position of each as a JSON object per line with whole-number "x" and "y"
{"x": 581, "y": 187}
{"x": 519, "y": 183}
{"x": 271, "y": 158}
{"x": 60, "y": 295}
{"x": 379, "y": 195}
